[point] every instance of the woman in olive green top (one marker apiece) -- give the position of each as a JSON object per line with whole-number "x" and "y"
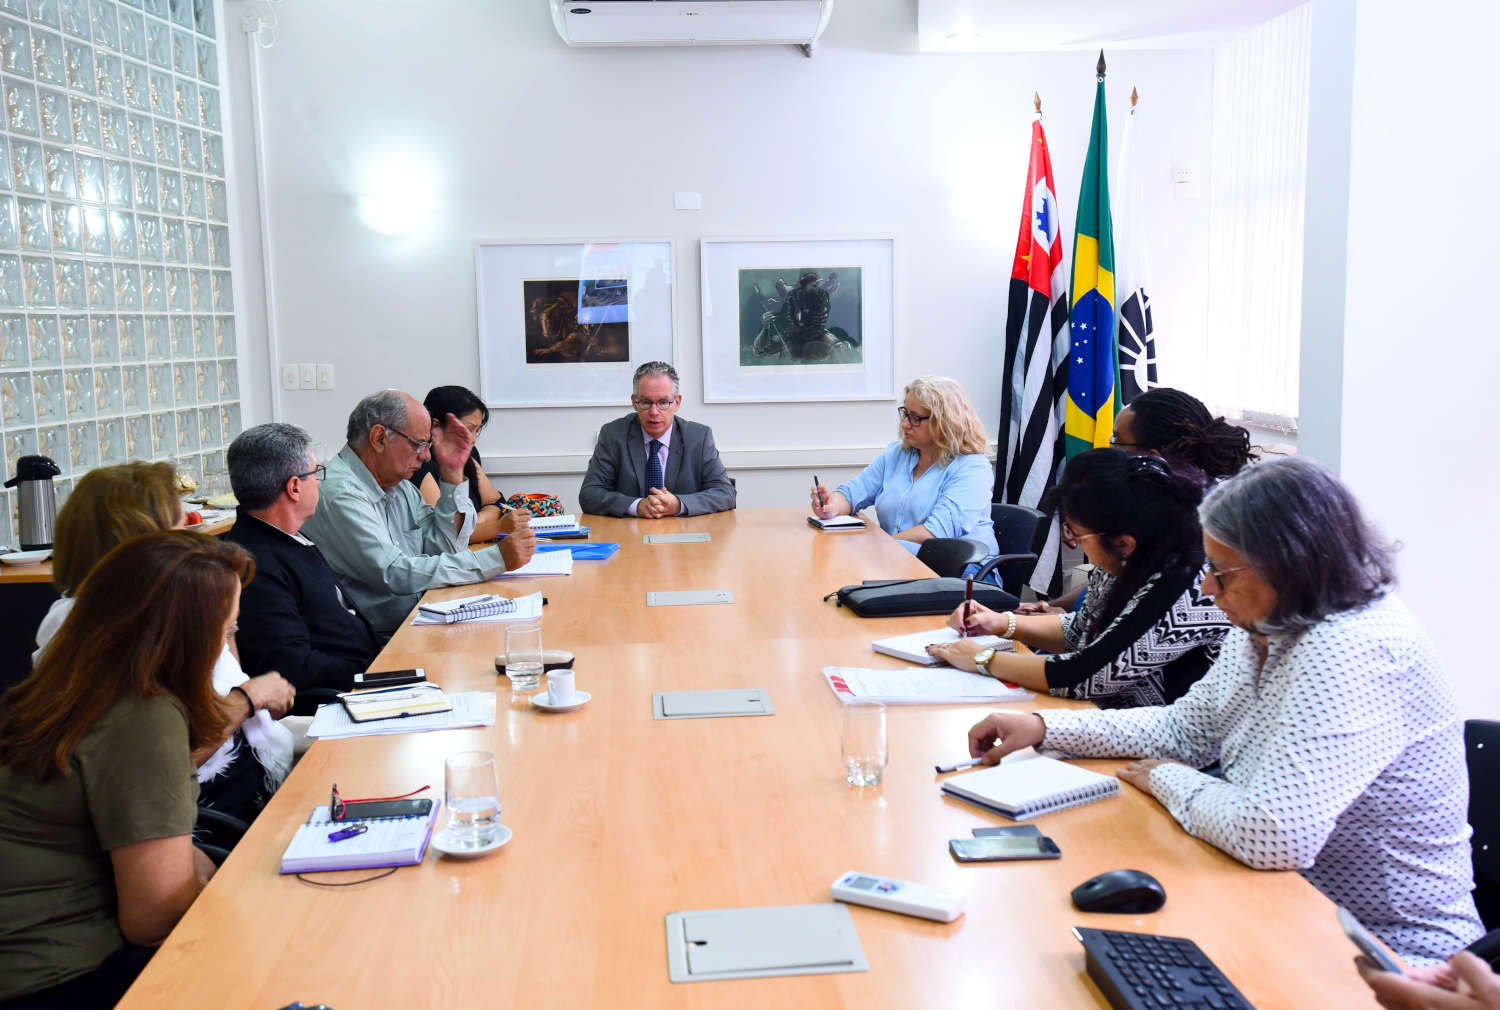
{"x": 98, "y": 792}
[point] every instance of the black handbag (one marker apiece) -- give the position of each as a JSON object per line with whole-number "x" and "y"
{"x": 918, "y": 597}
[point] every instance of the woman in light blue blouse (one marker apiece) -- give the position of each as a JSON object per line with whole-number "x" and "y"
{"x": 934, "y": 481}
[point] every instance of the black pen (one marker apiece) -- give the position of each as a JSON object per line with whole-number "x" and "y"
{"x": 816, "y": 484}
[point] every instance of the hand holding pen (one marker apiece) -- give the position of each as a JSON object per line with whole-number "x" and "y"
{"x": 822, "y": 501}
{"x": 963, "y": 625}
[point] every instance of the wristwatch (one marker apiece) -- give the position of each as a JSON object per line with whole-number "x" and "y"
{"x": 982, "y": 660}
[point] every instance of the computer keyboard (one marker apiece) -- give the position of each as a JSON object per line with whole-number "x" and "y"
{"x": 1143, "y": 971}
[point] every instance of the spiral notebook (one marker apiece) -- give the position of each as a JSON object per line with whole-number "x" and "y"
{"x": 390, "y": 841}
{"x": 1029, "y": 784}
{"x": 469, "y": 608}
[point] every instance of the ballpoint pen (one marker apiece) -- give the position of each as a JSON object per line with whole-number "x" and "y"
{"x": 957, "y": 765}
{"x": 963, "y": 631}
{"x": 816, "y": 484}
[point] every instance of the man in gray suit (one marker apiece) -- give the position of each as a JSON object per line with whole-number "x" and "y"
{"x": 651, "y": 463}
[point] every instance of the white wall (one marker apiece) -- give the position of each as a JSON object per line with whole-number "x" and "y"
{"x": 1415, "y": 421}
{"x": 526, "y": 138}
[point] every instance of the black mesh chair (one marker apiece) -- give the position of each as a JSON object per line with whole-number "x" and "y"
{"x": 1020, "y": 533}
{"x": 1482, "y": 749}
{"x": 217, "y": 832}
{"x": 949, "y": 556}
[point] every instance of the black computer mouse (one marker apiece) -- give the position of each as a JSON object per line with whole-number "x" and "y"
{"x": 1129, "y": 892}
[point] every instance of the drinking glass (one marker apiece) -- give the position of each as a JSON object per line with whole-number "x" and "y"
{"x": 523, "y": 656}
{"x": 864, "y": 742}
{"x": 472, "y": 793}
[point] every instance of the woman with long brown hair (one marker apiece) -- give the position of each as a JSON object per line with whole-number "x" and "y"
{"x": 97, "y": 788}
{"x": 111, "y": 504}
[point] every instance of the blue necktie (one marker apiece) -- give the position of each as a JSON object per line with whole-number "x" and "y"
{"x": 654, "y": 476}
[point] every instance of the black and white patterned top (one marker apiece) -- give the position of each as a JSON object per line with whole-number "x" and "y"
{"x": 1342, "y": 757}
{"x": 1166, "y": 636}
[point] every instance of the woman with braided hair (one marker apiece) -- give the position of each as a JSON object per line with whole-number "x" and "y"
{"x": 1146, "y": 631}
{"x": 1171, "y": 423}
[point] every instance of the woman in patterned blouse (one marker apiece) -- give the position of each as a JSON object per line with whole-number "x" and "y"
{"x": 1340, "y": 745}
{"x": 1146, "y": 631}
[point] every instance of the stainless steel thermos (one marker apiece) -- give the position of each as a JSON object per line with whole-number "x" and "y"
{"x": 33, "y": 484}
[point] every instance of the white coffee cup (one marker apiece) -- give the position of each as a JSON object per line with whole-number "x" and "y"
{"x": 560, "y": 687}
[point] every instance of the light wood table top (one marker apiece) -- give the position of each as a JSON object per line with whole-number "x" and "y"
{"x": 42, "y": 570}
{"x": 620, "y": 819}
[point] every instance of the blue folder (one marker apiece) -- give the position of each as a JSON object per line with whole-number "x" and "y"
{"x": 583, "y": 552}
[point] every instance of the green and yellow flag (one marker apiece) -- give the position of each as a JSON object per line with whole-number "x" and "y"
{"x": 1093, "y": 378}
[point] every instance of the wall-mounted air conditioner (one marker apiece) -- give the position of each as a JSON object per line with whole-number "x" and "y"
{"x": 691, "y": 22}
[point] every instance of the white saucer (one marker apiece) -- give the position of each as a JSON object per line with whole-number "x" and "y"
{"x": 25, "y": 557}
{"x": 445, "y": 843}
{"x": 580, "y": 699}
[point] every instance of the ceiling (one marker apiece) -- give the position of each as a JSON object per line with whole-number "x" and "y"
{"x": 1053, "y": 25}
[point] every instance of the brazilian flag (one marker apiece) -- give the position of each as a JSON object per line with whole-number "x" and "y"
{"x": 1093, "y": 372}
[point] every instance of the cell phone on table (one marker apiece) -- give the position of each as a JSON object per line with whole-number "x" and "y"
{"x": 1005, "y": 847}
{"x": 1366, "y": 942}
{"x": 389, "y": 678}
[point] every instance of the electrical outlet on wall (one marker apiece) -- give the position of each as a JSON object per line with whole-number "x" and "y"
{"x": 325, "y": 376}
{"x": 309, "y": 375}
{"x": 290, "y": 376}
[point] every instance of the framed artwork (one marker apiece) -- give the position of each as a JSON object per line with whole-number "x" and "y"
{"x": 788, "y": 320}
{"x": 565, "y": 323}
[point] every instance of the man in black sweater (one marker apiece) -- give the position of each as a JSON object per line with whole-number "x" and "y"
{"x": 294, "y": 618}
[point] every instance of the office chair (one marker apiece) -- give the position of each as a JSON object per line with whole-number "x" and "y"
{"x": 1482, "y": 751}
{"x": 949, "y": 556}
{"x": 1020, "y": 533}
{"x": 217, "y": 832}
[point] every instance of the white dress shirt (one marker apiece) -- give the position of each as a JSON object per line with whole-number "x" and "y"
{"x": 1342, "y": 757}
{"x": 665, "y": 438}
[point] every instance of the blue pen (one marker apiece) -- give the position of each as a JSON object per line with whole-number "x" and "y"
{"x": 350, "y": 832}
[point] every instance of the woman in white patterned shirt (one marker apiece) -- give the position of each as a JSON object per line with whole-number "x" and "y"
{"x": 1146, "y": 632}
{"x": 1340, "y": 745}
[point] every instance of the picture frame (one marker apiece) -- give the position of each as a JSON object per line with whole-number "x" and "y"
{"x": 790, "y": 320}
{"x": 565, "y": 322}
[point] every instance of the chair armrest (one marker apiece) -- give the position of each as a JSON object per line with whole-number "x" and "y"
{"x": 1002, "y": 559}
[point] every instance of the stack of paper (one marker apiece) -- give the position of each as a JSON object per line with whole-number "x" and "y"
{"x": 545, "y": 563}
{"x": 837, "y": 523}
{"x": 470, "y": 708}
{"x": 941, "y": 686}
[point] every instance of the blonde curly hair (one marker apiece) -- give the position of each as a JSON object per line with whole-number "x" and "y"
{"x": 956, "y": 428}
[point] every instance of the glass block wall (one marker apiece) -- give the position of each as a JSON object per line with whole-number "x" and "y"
{"x": 116, "y": 335}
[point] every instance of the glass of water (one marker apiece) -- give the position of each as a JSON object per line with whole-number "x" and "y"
{"x": 472, "y": 793}
{"x": 523, "y": 656}
{"x": 864, "y": 742}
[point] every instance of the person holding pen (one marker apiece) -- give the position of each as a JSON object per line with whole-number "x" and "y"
{"x": 1146, "y": 631}
{"x": 933, "y": 481}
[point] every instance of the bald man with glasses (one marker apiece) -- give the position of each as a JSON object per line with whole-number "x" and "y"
{"x": 652, "y": 464}
{"x": 386, "y": 543}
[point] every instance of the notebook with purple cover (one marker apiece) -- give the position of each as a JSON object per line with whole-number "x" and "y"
{"x": 390, "y": 841}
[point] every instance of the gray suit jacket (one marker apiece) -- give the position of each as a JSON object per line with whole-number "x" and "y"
{"x": 617, "y": 473}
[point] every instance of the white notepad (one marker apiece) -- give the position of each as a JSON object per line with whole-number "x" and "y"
{"x": 1027, "y": 784}
{"x": 470, "y": 708}
{"x": 913, "y": 648}
{"x": 941, "y": 685}
{"x": 545, "y": 563}
{"x": 563, "y": 522}
{"x": 527, "y": 608}
{"x": 837, "y": 523}
{"x": 387, "y": 841}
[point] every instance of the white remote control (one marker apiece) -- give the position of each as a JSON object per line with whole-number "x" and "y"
{"x": 897, "y": 896}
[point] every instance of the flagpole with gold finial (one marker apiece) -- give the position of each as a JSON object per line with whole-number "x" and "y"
{"x": 1099, "y": 69}
{"x": 1036, "y": 99}
{"x": 1134, "y": 97}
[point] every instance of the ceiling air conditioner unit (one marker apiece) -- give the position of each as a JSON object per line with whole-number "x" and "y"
{"x": 691, "y": 22}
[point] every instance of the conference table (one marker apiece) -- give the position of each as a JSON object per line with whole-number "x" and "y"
{"x": 620, "y": 819}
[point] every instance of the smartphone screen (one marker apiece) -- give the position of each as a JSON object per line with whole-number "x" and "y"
{"x": 981, "y": 850}
{"x": 1367, "y": 944}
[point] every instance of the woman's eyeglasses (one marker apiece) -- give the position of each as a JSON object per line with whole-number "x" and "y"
{"x": 1072, "y": 539}
{"x": 1218, "y": 573}
{"x": 912, "y": 419}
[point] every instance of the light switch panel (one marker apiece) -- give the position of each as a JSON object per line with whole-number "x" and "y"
{"x": 325, "y": 376}
{"x": 309, "y": 375}
{"x": 290, "y": 376}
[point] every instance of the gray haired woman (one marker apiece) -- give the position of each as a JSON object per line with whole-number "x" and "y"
{"x": 1340, "y": 747}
